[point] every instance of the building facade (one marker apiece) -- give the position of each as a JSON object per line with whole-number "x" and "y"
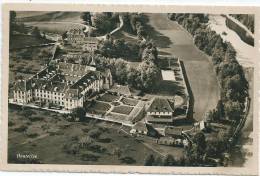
{"x": 63, "y": 86}
{"x": 160, "y": 111}
{"x": 77, "y": 38}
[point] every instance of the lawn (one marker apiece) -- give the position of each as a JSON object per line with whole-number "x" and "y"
{"x": 18, "y": 41}
{"x": 129, "y": 101}
{"x": 110, "y": 147}
{"x": 108, "y": 97}
{"x": 99, "y": 107}
{"x": 123, "y": 109}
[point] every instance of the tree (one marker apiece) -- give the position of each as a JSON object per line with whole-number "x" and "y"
{"x": 12, "y": 20}
{"x": 117, "y": 152}
{"x": 233, "y": 110}
{"x": 94, "y": 133}
{"x": 199, "y": 140}
{"x": 158, "y": 161}
{"x": 149, "y": 160}
{"x": 149, "y": 74}
{"x": 103, "y": 22}
{"x": 12, "y": 16}
{"x": 64, "y": 35}
{"x": 79, "y": 112}
{"x": 86, "y": 16}
{"x": 36, "y": 32}
{"x": 169, "y": 161}
{"x": 220, "y": 110}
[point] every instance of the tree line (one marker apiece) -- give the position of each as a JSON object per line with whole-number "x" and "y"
{"x": 100, "y": 23}
{"x": 233, "y": 84}
{"x": 134, "y": 23}
{"x": 247, "y": 19}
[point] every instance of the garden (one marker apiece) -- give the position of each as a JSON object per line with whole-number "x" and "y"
{"x": 123, "y": 109}
{"x": 98, "y": 107}
{"x": 107, "y": 97}
{"x": 129, "y": 101}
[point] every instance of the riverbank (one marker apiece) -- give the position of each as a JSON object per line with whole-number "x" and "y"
{"x": 245, "y": 52}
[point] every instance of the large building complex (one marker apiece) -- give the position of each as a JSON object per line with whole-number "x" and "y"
{"x": 62, "y": 85}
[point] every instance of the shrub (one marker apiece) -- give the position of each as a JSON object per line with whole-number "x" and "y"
{"x": 127, "y": 160}
{"x": 21, "y": 128}
{"x": 11, "y": 123}
{"x": 89, "y": 157}
{"x": 96, "y": 148}
{"x": 71, "y": 148}
{"x": 95, "y": 133}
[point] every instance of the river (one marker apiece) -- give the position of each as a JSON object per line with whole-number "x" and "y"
{"x": 245, "y": 52}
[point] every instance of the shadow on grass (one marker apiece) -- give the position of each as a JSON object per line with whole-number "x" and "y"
{"x": 191, "y": 97}
{"x": 159, "y": 39}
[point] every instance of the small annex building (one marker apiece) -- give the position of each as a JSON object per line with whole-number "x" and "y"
{"x": 143, "y": 129}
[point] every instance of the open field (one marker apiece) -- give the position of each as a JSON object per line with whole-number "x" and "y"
{"x": 54, "y": 132}
{"x": 172, "y": 39}
{"x": 48, "y": 16}
{"x": 18, "y": 41}
{"x": 55, "y": 27}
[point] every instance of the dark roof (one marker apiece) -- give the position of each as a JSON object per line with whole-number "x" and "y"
{"x": 173, "y": 130}
{"x": 162, "y": 119}
{"x": 160, "y": 105}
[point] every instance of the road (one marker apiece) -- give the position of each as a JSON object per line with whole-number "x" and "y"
{"x": 171, "y": 39}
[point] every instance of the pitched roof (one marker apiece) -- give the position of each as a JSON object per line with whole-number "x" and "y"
{"x": 140, "y": 126}
{"x": 173, "y": 131}
{"x": 160, "y": 105}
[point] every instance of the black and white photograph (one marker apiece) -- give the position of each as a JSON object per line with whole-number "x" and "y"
{"x": 164, "y": 89}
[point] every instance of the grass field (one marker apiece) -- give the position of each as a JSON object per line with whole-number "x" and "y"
{"x": 18, "y": 41}
{"x": 171, "y": 39}
{"x": 55, "y": 27}
{"x": 29, "y": 16}
{"x": 48, "y": 144}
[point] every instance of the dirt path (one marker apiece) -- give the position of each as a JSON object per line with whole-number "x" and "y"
{"x": 172, "y": 39}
